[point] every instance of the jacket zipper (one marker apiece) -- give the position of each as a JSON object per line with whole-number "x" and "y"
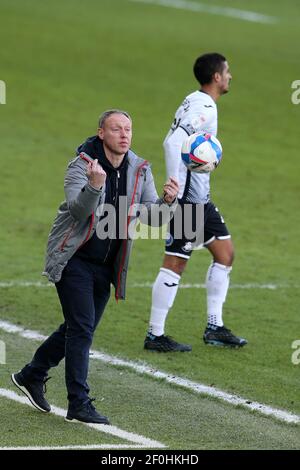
{"x": 115, "y": 200}
{"x": 128, "y": 219}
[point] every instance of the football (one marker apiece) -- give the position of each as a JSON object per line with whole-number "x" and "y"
{"x": 201, "y": 152}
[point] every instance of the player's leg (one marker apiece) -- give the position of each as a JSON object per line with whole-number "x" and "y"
{"x": 218, "y": 278}
{"x": 218, "y": 241}
{"x": 222, "y": 251}
{"x": 163, "y": 295}
{"x": 177, "y": 253}
{"x": 164, "y": 292}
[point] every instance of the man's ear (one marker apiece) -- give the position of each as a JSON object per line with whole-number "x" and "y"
{"x": 217, "y": 77}
{"x": 100, "y": 132}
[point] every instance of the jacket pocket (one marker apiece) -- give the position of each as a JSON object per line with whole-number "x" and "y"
{"x": 67, "y": 237}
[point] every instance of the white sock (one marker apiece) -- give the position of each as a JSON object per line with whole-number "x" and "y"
{"x": 217, "y": 283}
{"x": 163, "y": 295}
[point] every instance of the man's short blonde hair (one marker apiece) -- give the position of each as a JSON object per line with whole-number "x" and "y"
{"x": 108, "y": 113}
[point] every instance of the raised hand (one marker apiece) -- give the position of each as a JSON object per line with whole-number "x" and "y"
{"x": 95, "y": 174}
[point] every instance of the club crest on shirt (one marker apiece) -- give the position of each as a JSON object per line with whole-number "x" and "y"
{"x": 169, "y": 239}
{"x": 187, "y": 247}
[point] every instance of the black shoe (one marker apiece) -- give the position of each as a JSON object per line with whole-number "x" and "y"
{"x": 34, "y": 390}
{"x": 86, "y": 413}
{"x": 164, "y": 344}
{"x": 221, "y": 336}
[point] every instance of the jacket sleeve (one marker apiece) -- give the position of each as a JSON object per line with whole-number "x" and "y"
{"x": 154, "y": 211}
{"x": 81, "y": 197}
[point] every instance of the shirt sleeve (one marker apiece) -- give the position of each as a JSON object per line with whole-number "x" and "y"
{"x": 172, "y": 146}
{"x": 197, "y": 122}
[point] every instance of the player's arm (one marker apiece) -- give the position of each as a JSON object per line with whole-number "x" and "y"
{"x": 172, "y": 147}
{"x": 196, "y": 122}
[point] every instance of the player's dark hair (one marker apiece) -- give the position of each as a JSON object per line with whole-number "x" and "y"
{"x": 207, "y": 65}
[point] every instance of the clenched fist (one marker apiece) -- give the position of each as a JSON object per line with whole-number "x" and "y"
{"x": 95, "y": 174}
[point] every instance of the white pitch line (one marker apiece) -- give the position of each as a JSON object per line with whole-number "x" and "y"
{"x": 28, "y": 334}
{"x": 113, "y": 430}
{"x": 213, "y": 9}
{"x": 144, "y": 369}
{"x": 232, "y": 286}
{"x": 270, "y": 286}
{"x": 7, "y": 284}
{"x": 199, "y": 388}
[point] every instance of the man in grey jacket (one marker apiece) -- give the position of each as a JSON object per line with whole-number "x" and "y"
{"x": 85, "y": 254}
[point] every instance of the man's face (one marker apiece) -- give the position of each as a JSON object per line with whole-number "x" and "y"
{"x": 116, "y": 133}
{"x": 223, "y": 79}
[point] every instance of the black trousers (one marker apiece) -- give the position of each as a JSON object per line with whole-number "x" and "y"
{"x": 83, "y": 290}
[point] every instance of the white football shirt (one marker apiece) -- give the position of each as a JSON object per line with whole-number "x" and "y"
{"x": 198, "y": 112}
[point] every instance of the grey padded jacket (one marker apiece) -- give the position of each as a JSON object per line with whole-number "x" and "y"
{"x": 77, "y": 216}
